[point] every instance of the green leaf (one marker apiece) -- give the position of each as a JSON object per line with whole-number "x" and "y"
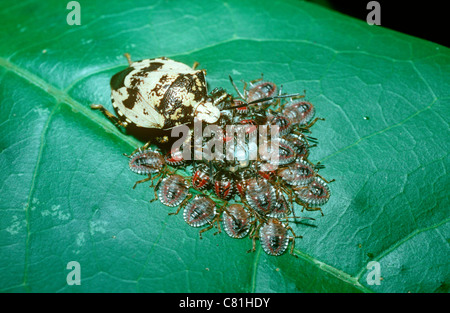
{"x": 66, "y": 189}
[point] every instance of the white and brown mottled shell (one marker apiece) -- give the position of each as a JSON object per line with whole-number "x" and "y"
{"x": 161, "y": 93}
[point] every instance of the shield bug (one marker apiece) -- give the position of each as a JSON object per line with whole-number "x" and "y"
{"x": 262, "y": 93}
{"x": 260, "y": 89}
{"x": 224, "y": 184}
{"x": 173, "y": 191}
{"x": 260, "y": 195}
{"x": 300, "y": 145}
{"x": 201, "y": 177}
{"x": 199, "y": 212}
{"x": 300, "y": 113}
{"x": 160, "y": 93}
{"x": 243, "y": 176}
{"x": 175, "y": 157}
{"x": 236, "y": 221}
{"x": 283, "y": 123}
{"x": 316, "y": 193}
{"x": 274, "y": 237}
{"x": 284, "y": 154}
{"x": 299, "y": 173}
{"x": 281, "y": 208}
{"x": 146, "y": 162}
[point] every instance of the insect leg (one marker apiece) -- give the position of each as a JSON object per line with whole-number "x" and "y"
{"x": 181, "y": 205}
{"x": 258, "y": 80}
{"x": 325, "y": 179}
{"x": 211, "y": 225}
{"x": 156, "y": 189}
{"x": 236, "y": 88}
{"x": 114, "y": 119}
{"x": 307, "y": 208}
{"x": 127, "y": 55}
{"x": 139, "y": 149}
{"x": 253, "y": 249}
{"x": 292, "y": 240}
{"x": 313, "y": 122}
{"x": 143, "y": 180}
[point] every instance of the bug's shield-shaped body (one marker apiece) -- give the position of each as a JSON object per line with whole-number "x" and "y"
{"x": 301, "y": 147}
{"x": 281, "y": 208}
{"x": 300, "y": 112}
{"x": 200, "y": 211}
{"x": 299, "y": 173}
{"x": 261, "y": 196}
{"x": 224, "y": 186}
{"x": 262, "y": 90}
{"x": 243, "y": 177}
{"x": 283, "y": 154}
{"x": 173, "y": 190}
{"x": 161, "y": 93}
{"x": 316, "y": 193}
{"x": 236, "y": 221}
{"x": 283, "y": 123}
{"x": 201, "y": 178}
{"x": 146, "y": 162}
{"x": 274, "y": 238}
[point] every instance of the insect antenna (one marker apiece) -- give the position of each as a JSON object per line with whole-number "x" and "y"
{"x": 258, "y": 101}
{"x": 236, "y": 88}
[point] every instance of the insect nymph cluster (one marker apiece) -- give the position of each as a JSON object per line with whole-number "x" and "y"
{"x": 245, "y": 194}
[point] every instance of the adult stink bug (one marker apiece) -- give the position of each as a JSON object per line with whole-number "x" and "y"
{"x": 159, "y": 93}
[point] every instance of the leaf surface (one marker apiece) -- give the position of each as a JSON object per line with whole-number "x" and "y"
{"x": 66, "y": 188}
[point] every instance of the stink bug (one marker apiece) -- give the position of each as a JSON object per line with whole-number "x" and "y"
{"x": 175, "y": 157}
{"x": 316, "y": 193}
{"x": 242, "y": 178}
{"x": 160, "y": 94}
{"x": 199, "y": 212}
{"x": 173, "y": 190}
{"x": 274, "y": 237}
{"x": 146, "y": 162}
{"x": 281, "y": 208}
{"x": 301, "y": 113}
{"x": 282, "y": 122}
{"x": 285, "y": 153}
{"x": 201, "y": 176}
{"x": 299, "y": 173}
{"x": 224, "y": 184}
{"x": 300, "y": 145}
{"x": 260, "y": 195}
{"x": 259, "y": 91}
{"x": 236, "y": 221}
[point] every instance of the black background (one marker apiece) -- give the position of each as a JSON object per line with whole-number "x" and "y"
{"x": 423, "y": 19}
